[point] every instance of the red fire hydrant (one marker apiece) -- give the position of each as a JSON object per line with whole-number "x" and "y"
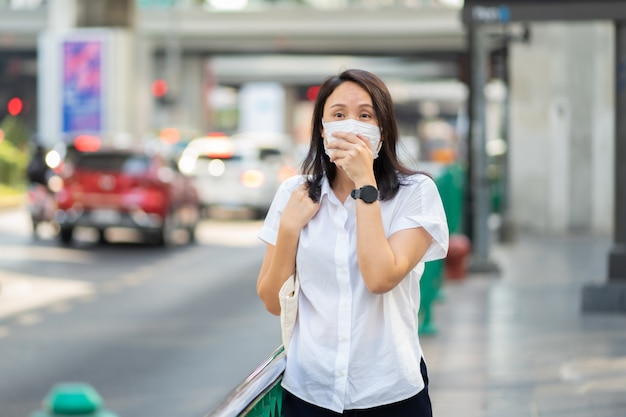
{"x": 459, "y": 250}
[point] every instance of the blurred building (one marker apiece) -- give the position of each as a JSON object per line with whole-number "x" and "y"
{"x": 551, "y": 112}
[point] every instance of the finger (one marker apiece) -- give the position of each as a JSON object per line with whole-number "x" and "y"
{"x": 339, "y": 154}
{"x": 363, "y": 139}
{"x": 340, "y": 143}
{"x": 349, "y": 137}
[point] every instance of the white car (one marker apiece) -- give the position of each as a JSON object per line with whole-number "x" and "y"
{"x": 242, "y": 171}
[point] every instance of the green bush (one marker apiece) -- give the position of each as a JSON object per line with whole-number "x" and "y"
{"x": 13, "y": 163}
{"x": 13, "y": 153}
{"x": 15, "y": 131}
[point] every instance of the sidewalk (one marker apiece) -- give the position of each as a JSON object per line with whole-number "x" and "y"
{"x": 11, "y": 201}
{"x": 517, "y": 344}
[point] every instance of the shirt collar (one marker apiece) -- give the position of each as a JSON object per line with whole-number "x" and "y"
{"x": 327, "y": 191}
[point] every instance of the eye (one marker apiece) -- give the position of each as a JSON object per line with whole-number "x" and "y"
{"x": 366, "y": 116}
{"x": 338, "y": 115}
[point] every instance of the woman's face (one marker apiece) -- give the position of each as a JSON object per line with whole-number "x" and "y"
{"x": 349, "y": 101}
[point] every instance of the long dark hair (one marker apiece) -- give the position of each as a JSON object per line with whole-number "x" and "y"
{"x": 387, "y": 169}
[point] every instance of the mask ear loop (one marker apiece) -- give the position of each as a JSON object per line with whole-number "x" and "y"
{"x": 380, "y": 145}
{"x": 380, "y": 142}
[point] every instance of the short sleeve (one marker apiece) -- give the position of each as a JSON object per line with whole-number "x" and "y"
{"x": 269, "y": 230}
{"x": 423, "y": 207}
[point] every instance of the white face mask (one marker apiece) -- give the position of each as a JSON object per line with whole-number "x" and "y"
{"x": 370, "y": 131}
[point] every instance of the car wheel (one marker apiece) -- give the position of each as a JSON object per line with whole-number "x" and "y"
{"x": 102, "y": 236}
{"x": 193, "y": 224}
{"x": 191, "y": 231}
{"x": 35, "y": 225}
{"x": 66, "y": 234}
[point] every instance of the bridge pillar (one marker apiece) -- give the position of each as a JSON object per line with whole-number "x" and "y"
{"x": 611, "y": 296}
{"x": 106, "y": 13}
{"x": 480, "y": 260}
{"x": 86, "y": 70}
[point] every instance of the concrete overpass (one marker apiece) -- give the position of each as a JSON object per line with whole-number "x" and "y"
{"x": 298, "y": 29}
{"x": 423, "y": 42}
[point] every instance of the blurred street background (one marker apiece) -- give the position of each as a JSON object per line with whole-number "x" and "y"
{"x": 141, "y": 142}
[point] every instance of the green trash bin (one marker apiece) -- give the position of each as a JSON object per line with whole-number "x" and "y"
{"x": 451, "y": 185}
{"x": 450, "y": 181}
{"x": 429, "y": 289}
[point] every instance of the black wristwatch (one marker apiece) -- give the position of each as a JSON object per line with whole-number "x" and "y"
{"x": 368, "y": 193}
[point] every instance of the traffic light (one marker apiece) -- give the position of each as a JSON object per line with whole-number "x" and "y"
{"x": 307, "y": 92}
{"x": 312, "y": 92}
{"x": 15, "y": 106}
{"x": 160, "y": 90}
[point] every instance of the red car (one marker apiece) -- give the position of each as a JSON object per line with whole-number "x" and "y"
{"x": 128, "y": 189}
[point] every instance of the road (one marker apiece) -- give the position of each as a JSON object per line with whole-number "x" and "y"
{"x": 158, "y": 332}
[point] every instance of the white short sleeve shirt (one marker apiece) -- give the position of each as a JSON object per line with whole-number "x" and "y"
{"x": 352, "y": 349}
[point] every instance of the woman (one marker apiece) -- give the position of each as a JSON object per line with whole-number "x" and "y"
{"x": 358, "y": 228}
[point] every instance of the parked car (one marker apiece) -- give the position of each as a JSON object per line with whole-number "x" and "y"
{"x": 126, "y": 188}
{"x": 242, "y": 171}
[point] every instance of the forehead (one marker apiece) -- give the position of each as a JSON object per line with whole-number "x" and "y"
{"x": 348, "y": 94}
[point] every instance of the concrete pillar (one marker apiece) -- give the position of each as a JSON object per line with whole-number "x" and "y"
{"x": 603, "y": 135}
{"x": 617, "y": 258}
{"x": 62, "y": 14}
{"x": 611, "y": 296}
{"x": 106, "y": 13}
{"x": 480, "y": 260}
{"x": 95, "y": 36}
{"x": 291, "y": 104}
{"x": 144, "y": 75}
{"x": 192, "y": 74}
{"x": 580, "y": 88}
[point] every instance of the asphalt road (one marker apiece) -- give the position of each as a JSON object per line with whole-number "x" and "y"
{"x": 157, "y": 332}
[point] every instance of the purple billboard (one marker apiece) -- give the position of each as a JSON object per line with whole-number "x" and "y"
{"x": 82, "y": 86}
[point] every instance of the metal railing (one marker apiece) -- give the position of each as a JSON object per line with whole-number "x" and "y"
{"x": 259, "y": 395}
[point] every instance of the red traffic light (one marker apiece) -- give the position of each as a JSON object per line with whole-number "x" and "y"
{"x": 312, "y": 92}
{"x": 159, "y": 88}
{"x": 15, "y": 106}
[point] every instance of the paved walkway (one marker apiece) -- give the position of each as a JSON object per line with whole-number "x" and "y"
{"x": 517, "y": 344}
{"x": 11, "y": 201}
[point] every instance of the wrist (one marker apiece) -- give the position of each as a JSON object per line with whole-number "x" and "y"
{"x": 362, "y": 182}
{"x": 289, "y": 228}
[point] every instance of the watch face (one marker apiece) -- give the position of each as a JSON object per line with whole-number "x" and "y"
{"x": 369, "y": 194}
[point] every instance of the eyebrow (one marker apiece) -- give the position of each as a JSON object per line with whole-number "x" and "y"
{"x": 369, "y": 106}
